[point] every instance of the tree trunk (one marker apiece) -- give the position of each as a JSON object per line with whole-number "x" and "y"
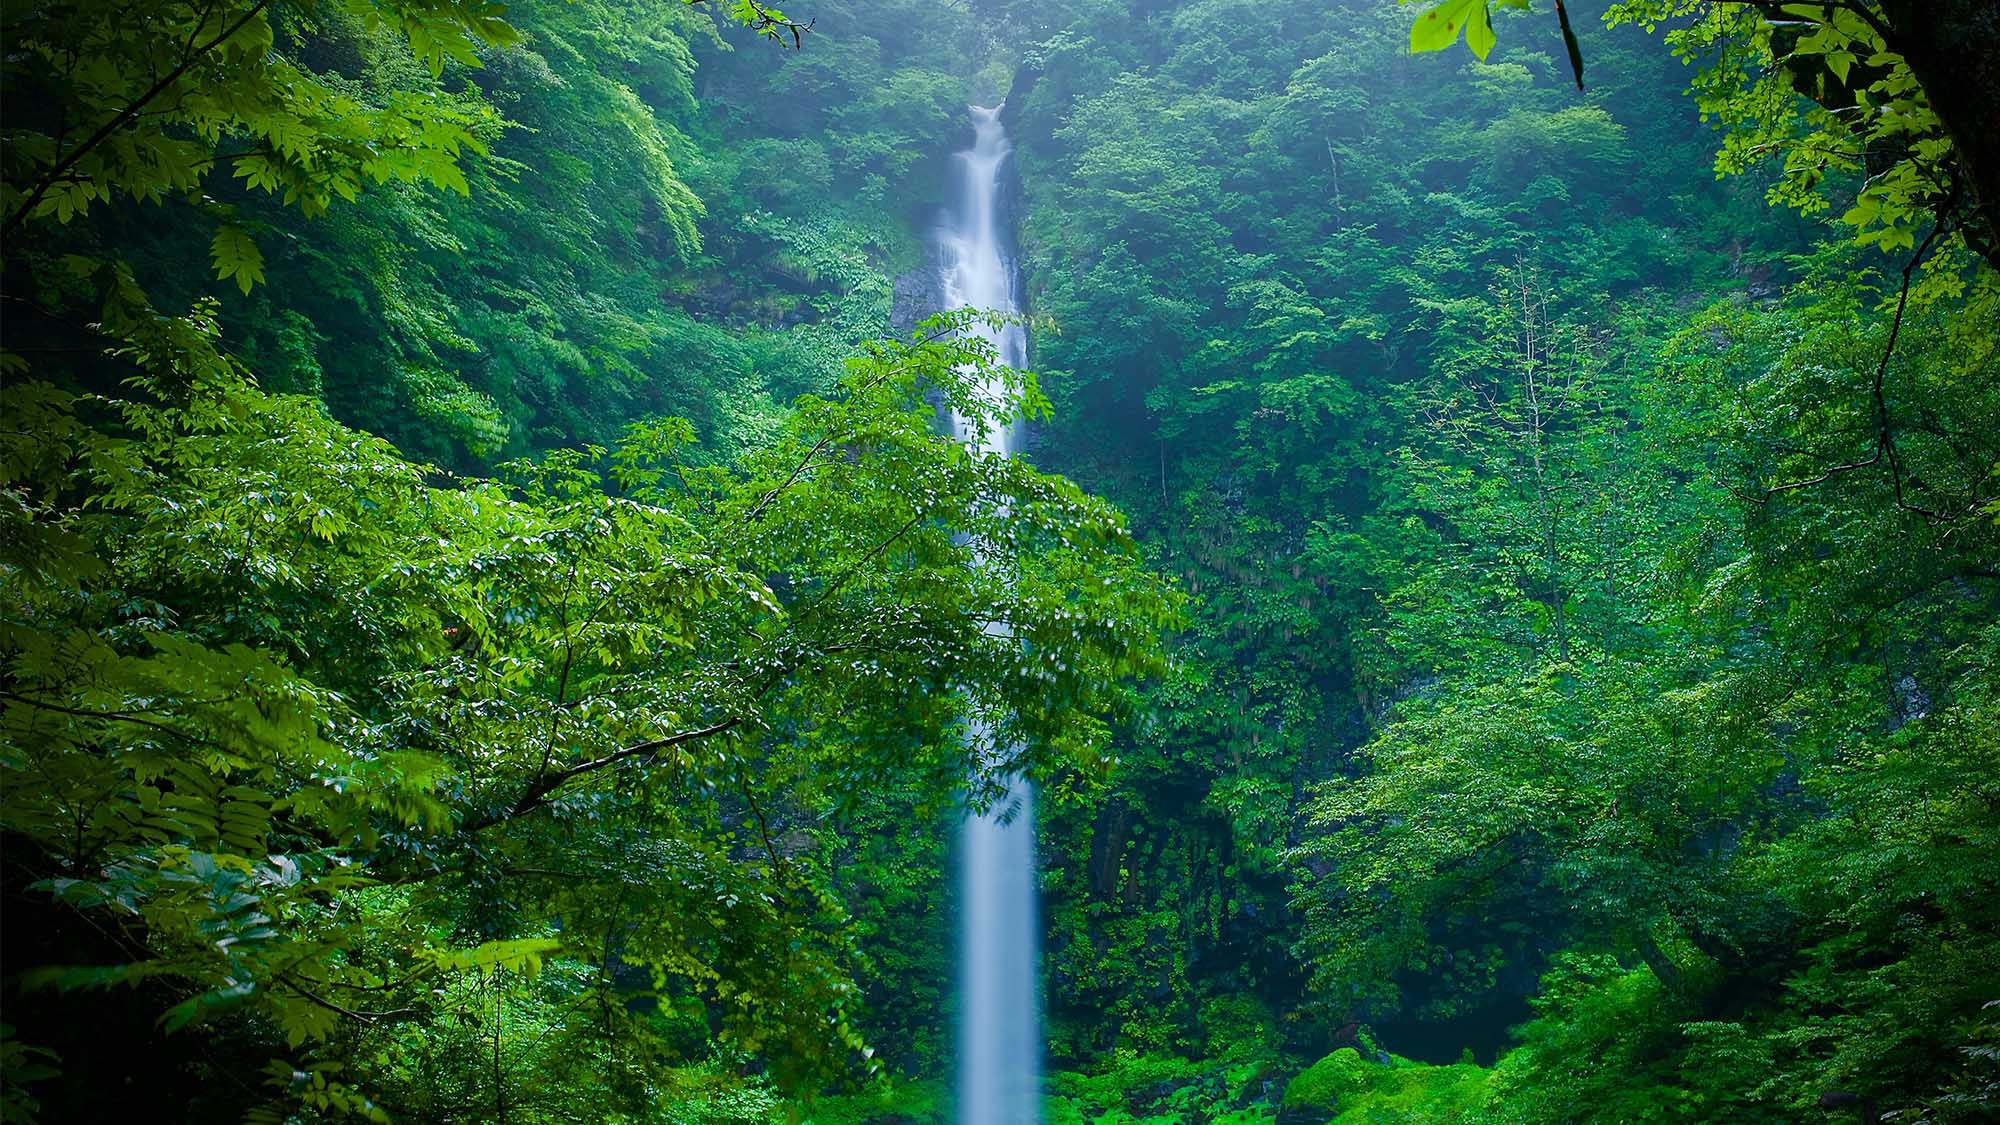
{"x": 1657, "y": 960}
{"x": 1953, "y": 48}
{"x": 1107, "y": 849}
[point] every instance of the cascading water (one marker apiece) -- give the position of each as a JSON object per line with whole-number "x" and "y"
{"x": 999, "y": 1021}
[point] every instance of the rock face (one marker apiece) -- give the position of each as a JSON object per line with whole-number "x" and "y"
{"x": 1017, "y": 94}
{"x": 917, "y": 294}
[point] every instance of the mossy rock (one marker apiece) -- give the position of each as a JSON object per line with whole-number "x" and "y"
{"x": 1346, "y": 1089}
{"x": 1333, "y": 1079}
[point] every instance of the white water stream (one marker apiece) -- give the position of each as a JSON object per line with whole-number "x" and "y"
{"x": 999, "y": 1020}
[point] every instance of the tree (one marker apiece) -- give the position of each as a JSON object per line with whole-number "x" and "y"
{"x": 1902, "y": 91}
{"x": 273, "y": 697}
{"x": 1517, "y": 463}
{"x": 152, "y": 103}
{"x": 312, "y": 750}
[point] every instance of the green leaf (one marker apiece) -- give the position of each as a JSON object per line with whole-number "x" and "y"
{"x": 1479, "y": 32}
{"x": 237, "y": 256}
{"x": 1439, "y": 27}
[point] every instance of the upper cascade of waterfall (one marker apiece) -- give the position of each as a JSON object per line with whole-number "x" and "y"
{"x": 978, "y": 252}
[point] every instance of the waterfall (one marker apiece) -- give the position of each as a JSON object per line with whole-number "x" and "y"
{"x": 977, "y": 258}
{"x": 999, "y": 1020}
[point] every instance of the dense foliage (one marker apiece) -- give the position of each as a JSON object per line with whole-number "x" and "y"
{"x": 492, "y": 631}
{"x": 1591, "y": 566}
{"x": 362, "y": 771}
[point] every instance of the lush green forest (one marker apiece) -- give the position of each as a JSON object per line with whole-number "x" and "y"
{"x": 1500, "y": 603}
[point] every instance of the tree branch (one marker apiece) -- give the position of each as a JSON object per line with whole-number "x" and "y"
{"x": 538, "y": 793}
{"x": 1885, "y": 439}
{"x": 341, "y": 1009}
{"x": 124, "y": 117}
{"x": 102, "y": 716}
